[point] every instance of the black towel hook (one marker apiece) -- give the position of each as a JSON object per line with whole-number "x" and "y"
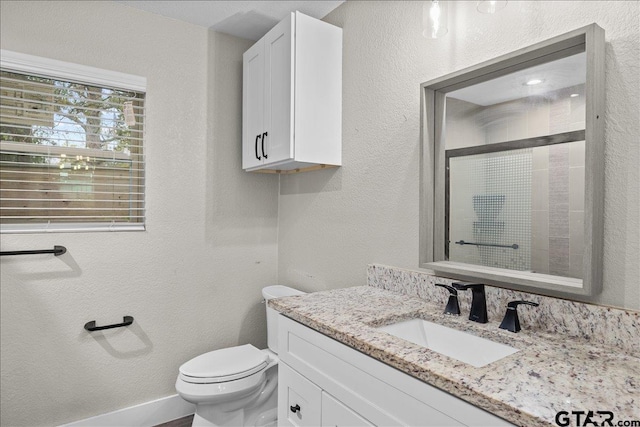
{"x": 91, "y": 326}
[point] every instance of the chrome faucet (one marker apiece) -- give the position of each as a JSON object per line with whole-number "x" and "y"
{"x": 478, "y": 301}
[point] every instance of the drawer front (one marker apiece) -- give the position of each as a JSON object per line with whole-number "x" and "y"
{"x": 335, "y": 414}
{"x": 299, "y": 400}
{"x": 376, "y": 391}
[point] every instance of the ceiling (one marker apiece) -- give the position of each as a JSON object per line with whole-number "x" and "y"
{"x": 246, "y": 19}
{"x": 559, "y": 74}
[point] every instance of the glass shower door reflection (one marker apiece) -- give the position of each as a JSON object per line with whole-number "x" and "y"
{"x": 519, "y": 209}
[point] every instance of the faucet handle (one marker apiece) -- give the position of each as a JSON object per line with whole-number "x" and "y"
{"x": 514, "y": 304}
{"x": 452, "y": 290}
{"x": 452, "y": 305}
{"x": 464, "y": 286}
{"x": 511, "y": 322}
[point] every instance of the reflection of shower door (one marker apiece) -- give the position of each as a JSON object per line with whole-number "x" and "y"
{"x": 490, "y": 209}
{"x": 517, "y": 205}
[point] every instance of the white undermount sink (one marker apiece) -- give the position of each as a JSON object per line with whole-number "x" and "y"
{"x": 450, "y": 342}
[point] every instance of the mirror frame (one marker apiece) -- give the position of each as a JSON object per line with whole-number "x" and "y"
{"x": 589, "y": 39}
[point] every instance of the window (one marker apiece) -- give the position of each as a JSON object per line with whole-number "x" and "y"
{"x": 71, "y": 147}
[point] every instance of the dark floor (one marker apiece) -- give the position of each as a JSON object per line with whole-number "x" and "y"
{"x": 180, "y": 422}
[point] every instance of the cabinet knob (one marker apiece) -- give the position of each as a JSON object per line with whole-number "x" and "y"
{"x": 295, "y": 409}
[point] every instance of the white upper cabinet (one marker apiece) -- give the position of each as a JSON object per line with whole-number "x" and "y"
{"x": 292, "y": 97}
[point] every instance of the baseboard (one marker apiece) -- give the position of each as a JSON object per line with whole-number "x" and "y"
{"x": 143, "y": 415}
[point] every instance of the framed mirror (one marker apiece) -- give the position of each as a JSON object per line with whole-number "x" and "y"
{"x": 512, "y": 186}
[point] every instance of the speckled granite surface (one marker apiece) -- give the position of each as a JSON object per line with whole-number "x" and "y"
{"x": 552, "y": 372}
{"x": 608, "y": 326}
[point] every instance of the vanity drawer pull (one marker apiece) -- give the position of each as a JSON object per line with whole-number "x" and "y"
{"x": 295, "y": 409}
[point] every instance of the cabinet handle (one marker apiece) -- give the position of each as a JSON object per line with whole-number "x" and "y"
{"x": 256, "y": 147}
{"x": 295, "y": 409}
{"x": 263, "y": 153}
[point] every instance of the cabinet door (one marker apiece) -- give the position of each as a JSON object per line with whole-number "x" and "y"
{"x": 278, "y": 58}
{"x": 252, "y": 105}
{"x": 299, "y": 399}
{"x": 335, "y": 414}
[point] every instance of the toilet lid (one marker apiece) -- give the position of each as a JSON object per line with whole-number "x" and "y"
{"x": 224, "y": 365}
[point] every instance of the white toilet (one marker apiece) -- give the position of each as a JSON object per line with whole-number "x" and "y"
{"x": 236, "y": 386}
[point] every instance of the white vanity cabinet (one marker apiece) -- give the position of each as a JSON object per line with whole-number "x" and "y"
{"x": 306, "y": 404}
{"x": 292, "y": 97}
{"x": 334, "y": 413}
{"x": 322, "y": 382}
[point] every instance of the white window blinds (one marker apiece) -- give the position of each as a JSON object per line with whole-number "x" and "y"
{"x": 71, "y": 149}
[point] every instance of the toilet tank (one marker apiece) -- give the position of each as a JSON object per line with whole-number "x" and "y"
{"x": 268, "y": 293}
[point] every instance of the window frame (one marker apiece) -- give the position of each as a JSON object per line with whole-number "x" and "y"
{"x": 51, "y": 68}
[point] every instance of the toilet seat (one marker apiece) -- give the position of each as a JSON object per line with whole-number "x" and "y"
{"x": 227, "y": 364}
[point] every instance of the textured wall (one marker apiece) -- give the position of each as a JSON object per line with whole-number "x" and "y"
{"x": 333, "y": 223}
{"x": 192, "y": 280}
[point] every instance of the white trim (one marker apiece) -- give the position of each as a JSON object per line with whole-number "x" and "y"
{"x": 83, "y": 73}
{"x": 146, "y": 414}
{"x": 72, "y": 227}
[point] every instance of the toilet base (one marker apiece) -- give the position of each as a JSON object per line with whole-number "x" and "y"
{"x": 264, "y": 415}
{"x": 257, "y": 408}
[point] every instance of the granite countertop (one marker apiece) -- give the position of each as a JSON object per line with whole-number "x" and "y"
{"x": 550, "y": 373}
